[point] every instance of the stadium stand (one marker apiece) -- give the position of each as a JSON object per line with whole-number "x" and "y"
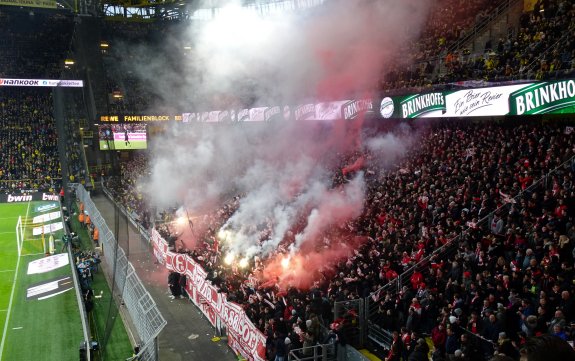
{"x": 33, "y": 43}
{"x": 32, "y": 46}
{"x": 475, "y": 225}
{"x": 28, "y": 140}
{"x": 504, "y": 269}
{"x": 511, "y": 273}
{"x": 542, "y": 49}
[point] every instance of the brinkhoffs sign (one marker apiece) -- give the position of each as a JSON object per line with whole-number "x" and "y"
{"x": 243, "y": 337}
{"x": 473, "y": 99}
{"x": 556, "y": 97}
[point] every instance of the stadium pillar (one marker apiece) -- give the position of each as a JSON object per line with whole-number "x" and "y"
{"x": 61, "y": 129}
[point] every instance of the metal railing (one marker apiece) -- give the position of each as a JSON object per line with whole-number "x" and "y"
{"x": 355, "y": 310}
{"x": 482, "y": 25}
{"x": 130, "y": 215}
{"x": 324, "y": 352}
{"x": 145, "y": 316}
{"x": 543, "y": 54}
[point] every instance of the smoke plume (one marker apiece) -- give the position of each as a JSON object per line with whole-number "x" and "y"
{"x": 283, "y": 174}
{"x": 334, "y": 51}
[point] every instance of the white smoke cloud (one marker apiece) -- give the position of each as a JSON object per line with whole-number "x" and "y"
{"x": 332, "y": 51}
{"x": 279, "y": 169}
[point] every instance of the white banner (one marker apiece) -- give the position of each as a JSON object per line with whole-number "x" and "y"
{"x": 479, "y": 102}
{"x": 47, "y": 217}
{"x": 243, "y": 336}
{"x": 48, "y": 264}
{"x": 48, "y": 228}
{"x": 42, "y": 83}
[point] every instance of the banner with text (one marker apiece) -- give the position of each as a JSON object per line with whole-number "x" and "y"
{"x": 556, "y": 97}
{"x": 42, "y": 82}
{"x": 47, "y": 4}
{"x": 28, "y": 197}
{"x": 243, "y": 336}
{"x": 478, "y": 99}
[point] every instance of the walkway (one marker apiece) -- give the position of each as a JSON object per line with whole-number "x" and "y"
{"x": 187, "y": 336}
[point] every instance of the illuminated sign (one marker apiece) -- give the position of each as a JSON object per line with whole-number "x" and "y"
{"x": 139, "y": 118}
{"x": 42, "y": 83}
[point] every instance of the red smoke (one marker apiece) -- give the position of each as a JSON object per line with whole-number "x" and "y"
{"x": 357, "y": 165}
{"x": 308, "y": 267}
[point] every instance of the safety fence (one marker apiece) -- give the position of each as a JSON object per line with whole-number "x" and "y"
{"x": 126, "y": 285}
{"x": 131, "y": 216}
{"x": 354, "y": 311}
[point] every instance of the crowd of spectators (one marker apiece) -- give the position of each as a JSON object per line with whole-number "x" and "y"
{"x": 125, "y": 188}
{"x": 509, "y": 275}
{"x": 73, "y": 128}
{"x": 541, "y": 49}
{"x": 447, "y": 22}
{"x": 33, "y": 46}
{"x": 504, "y": 269}
{"x": 126, "y": 39}
{"x": 28, "y": 140}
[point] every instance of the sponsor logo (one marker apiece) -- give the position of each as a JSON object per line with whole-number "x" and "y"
{"x": 352, "y": 109}
{"x": 48, "y": 264}
{"x": 257, "y": 114}
{"x": 50, "y": 288}
{"x": 27, "y": 82}
{"x": 50, "y": 197}
{"x": 20, "y": 198}
{"x": 304, "y": 112}
{"x": 71, "y": 83}
{"x": 543, "y": 98}
{"x": 418, "y": 105}
{"x": 45, "y": 207}
{"x": 41, "y": 82}
{"x": 386, "y": 108}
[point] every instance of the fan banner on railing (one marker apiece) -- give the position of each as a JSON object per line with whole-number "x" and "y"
{"x": 243, "y": 336}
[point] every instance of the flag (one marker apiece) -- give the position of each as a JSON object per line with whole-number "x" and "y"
{"x": 375, "y": 295}
{"x": 358, "y": 164}
{"x": 506, "y": 198}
